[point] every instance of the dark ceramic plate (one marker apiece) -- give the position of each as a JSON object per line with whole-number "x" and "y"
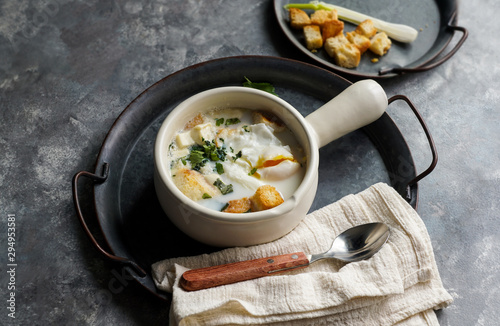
{"x": 132, "y": 222}
{"x": 434, "y": 19}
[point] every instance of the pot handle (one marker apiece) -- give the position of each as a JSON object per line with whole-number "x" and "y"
{"x": 429, "y": 139}
{"x": 357, "y": 106}
{"x": 99, "y": 179}
{"x": 465, "y": 33}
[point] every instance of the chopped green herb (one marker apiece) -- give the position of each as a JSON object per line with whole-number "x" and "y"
{"x": 200, "y": 154}
{"x": 214, "y": 156}
{"x": 238, "y": 155}
{"x": 252, "y": 172}
{"x": 267, "y": 87}
{"x": 224, "y": 189}
{"x": 232, "y": 121}
{"x": 183, "y": 160}
{"x": 245, "y": 127}
{"x": 219, "y": 121}
{"x": 224, "y": 207}
{"x": 206, "y": 196}
{"x": 219, "y": 168}
{"x": 196, "y": 156}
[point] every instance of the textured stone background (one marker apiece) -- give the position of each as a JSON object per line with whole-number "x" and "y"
{"x": 67, "y": 70}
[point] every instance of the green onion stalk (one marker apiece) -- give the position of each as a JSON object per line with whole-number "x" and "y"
{"x": 398, "y": 32}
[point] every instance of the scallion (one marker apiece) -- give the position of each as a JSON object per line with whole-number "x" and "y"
{"x": 398, "y": 32}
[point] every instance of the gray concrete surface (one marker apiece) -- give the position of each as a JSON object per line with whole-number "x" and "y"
{"x": 67, "y": 70}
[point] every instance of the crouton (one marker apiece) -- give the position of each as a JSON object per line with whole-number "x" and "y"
{"x": 242, "y": 205}
{"x": 193, "y": 184}
{"x": 360, "y": 41}
{"x": 319, "y": 17}
{"x": 195, "y": 121}
{"x": 266, "y": 197}
{"x": 348, "y": 56}
{"x": 312, "y": 34}
{"x": 223, "y": 134}
{"x": 331, "y": 29}
{"x": 298, "y": 18}
{"x": 269, "y": 119}
{"x": 342, "y": 51}
{"x": 366, "y": 28}
{"x": 184, "y": 139}
{"x": 380, "y": 43}
{"x": 200, "y": 133}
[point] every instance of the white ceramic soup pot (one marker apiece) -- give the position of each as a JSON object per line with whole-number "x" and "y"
{"x": 357, "y": 106}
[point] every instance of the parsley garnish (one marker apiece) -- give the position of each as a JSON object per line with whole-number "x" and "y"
{"x": 219, "y": 121}
{"x": 219, "y": 168}
{"x": 206, "y": 196}
{"x": 232, "y": 121}
{"x": 238, "y": 155}
{"x": 224, "y": 189}
{"x": 201, "y": 154}
{"x": 266, "y": 87}
{"x": 252, "y": 172}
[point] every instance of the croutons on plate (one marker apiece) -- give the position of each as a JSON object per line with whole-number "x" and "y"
{"x": 380, "y": 43}
{"x": 312, "y": 34}
{"x": 360, "y": 41}
{"x": 298, "y": 18}
{"x": 332, "y": 28}
{"x": 342, "y": 51}
{"x": 319, "y": 17}
{"x": 366, "y": 28}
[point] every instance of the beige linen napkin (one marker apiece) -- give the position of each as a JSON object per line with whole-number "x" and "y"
{"x": 400, "y": 285}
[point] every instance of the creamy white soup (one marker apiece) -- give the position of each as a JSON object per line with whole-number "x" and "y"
{"x": 236, "y": 160}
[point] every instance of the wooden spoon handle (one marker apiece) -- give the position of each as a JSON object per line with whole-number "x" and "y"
{"x": 204, "y": 278}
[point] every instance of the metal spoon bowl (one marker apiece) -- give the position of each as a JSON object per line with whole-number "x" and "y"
{"x": 357, "y": 243}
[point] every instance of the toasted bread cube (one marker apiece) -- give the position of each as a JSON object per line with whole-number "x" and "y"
{"x": 332, "y": 28}
{"x": 348, "y": 56}
{"x": 266, "y": 197}
{"x": 334, "y": 43}
{"x": 298, "y": 18}
{"x": 193, "y": 184}
{"x": 224, "y": 133}
{"x": 242, "y": 205}
{"x": 366, "y": 28}
{"x": 184, "y": 139}
{"x": 360, "y": 41}
{"x": 269, "y": 119}
{"x": 380, "y": 44}
{"x": 202, "y": 132}
{"x": 342, "y": 51}
{"x": 312, "y": 34}
{"x": 319, "y": 17}
{"x": 195, "y": 121}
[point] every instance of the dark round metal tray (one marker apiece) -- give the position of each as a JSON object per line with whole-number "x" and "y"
{"x": 132, "y": 222}
{"x": 434, "y": 19}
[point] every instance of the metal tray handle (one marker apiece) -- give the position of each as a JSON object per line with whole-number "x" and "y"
{"x": 436, "y": 63}
{"x": 427, "y": 134}
{"x": 99, "y": 179}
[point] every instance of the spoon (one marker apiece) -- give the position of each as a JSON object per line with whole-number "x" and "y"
{"x": 355, "y": 244}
